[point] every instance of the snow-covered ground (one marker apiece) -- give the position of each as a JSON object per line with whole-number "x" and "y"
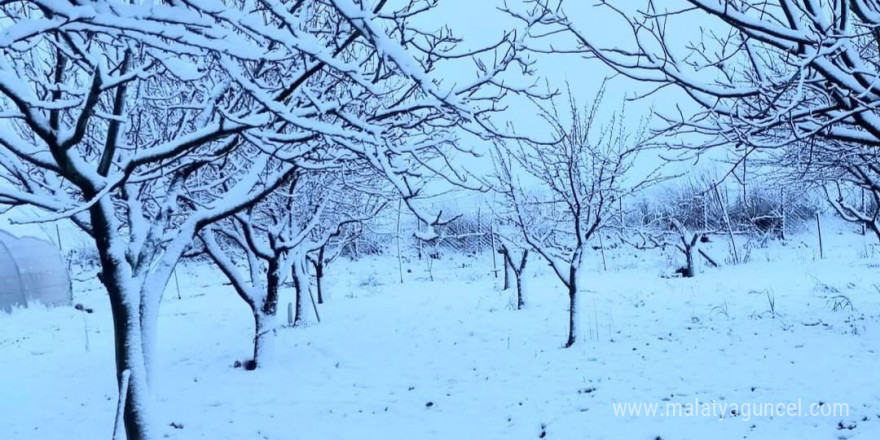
{"x": 450, "y": 359}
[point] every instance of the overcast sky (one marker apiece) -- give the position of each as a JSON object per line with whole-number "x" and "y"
{"x": 481, "y": 22}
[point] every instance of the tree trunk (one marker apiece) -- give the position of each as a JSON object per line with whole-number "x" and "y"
{"x": 512, "y": 270}
{"x": 318, "y": 263}
{"x": 137, "y": 401}
{"x": 507, "y": 271}
{"x": 130, "y": 356}
{"x": 576, "y": 260}
{"x": 572, "y": 313}
{"x": 127, "y": 328}
{"x": 319, "y": 275}
{"x": 690, "y": 253}
{"x": 149, "y": 330}
{"x": 298, "y": 292}
{"x": 264, "y": 317}
{"x": 693, "y": 261}
{"x": 301, "y": 287}
{"x": 264, "y": 332}
{"x": 519, "y": 291}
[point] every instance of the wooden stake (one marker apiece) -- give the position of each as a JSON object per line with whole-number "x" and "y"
{"x": 399, "y": 259}
{"x": 494, "y": 250}
{"x": 729, "y": 227}
{"x": 120, "y": 406}
{"x": 177, "y": 283}
{"x": 314, "y": 307}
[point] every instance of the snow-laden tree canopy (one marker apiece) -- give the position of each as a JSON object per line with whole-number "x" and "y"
{"x": 144, "y": 122}
{"x": 766, "y": 73}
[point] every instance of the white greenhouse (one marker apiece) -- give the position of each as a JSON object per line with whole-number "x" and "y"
{"x": 31, "y": 270}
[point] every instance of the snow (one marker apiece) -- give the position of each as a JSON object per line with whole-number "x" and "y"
{"x": 426, "y": 235}
{"x": 452, "y": 359}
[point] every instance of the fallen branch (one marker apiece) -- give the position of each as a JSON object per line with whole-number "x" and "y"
{"x": 708, "y": 258}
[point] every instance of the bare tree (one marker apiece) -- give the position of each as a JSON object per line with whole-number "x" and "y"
{"x": 320, "y": 258}
{"x": 577, "y": 182}
{"x": 766, "y": 73}
{"x": 333, "y": 214}
{"x": 278, "y": 234}
{"x": 680, "y": 217}
{"x": 103, "y": 125}
{"x": 353, "y": 209}
{"x": 144, "y": 131}
{"x": 514, "y": 266}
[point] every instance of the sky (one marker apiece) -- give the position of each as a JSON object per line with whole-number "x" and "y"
{"x": 481, "y": 22}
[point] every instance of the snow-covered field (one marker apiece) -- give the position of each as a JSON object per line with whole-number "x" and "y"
{"x": 450, "y": 359}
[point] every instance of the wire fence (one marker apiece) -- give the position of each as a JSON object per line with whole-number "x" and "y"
{"x": 462, "y": 236}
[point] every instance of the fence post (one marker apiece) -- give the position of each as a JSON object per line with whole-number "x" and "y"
{"x": 399, "y": 260}
{"x": 479, "y": 231}
{"x": 419, "y": 241}
{"x": 745, "y": 194}
{"x": 61, "y": 248}
{"x": 727, "y": 220}
{"x": 782, "y": 208}
{"x": 177, "y": 282}
{"x": 864, "y": 226}
{"x": 492, "y": 237}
